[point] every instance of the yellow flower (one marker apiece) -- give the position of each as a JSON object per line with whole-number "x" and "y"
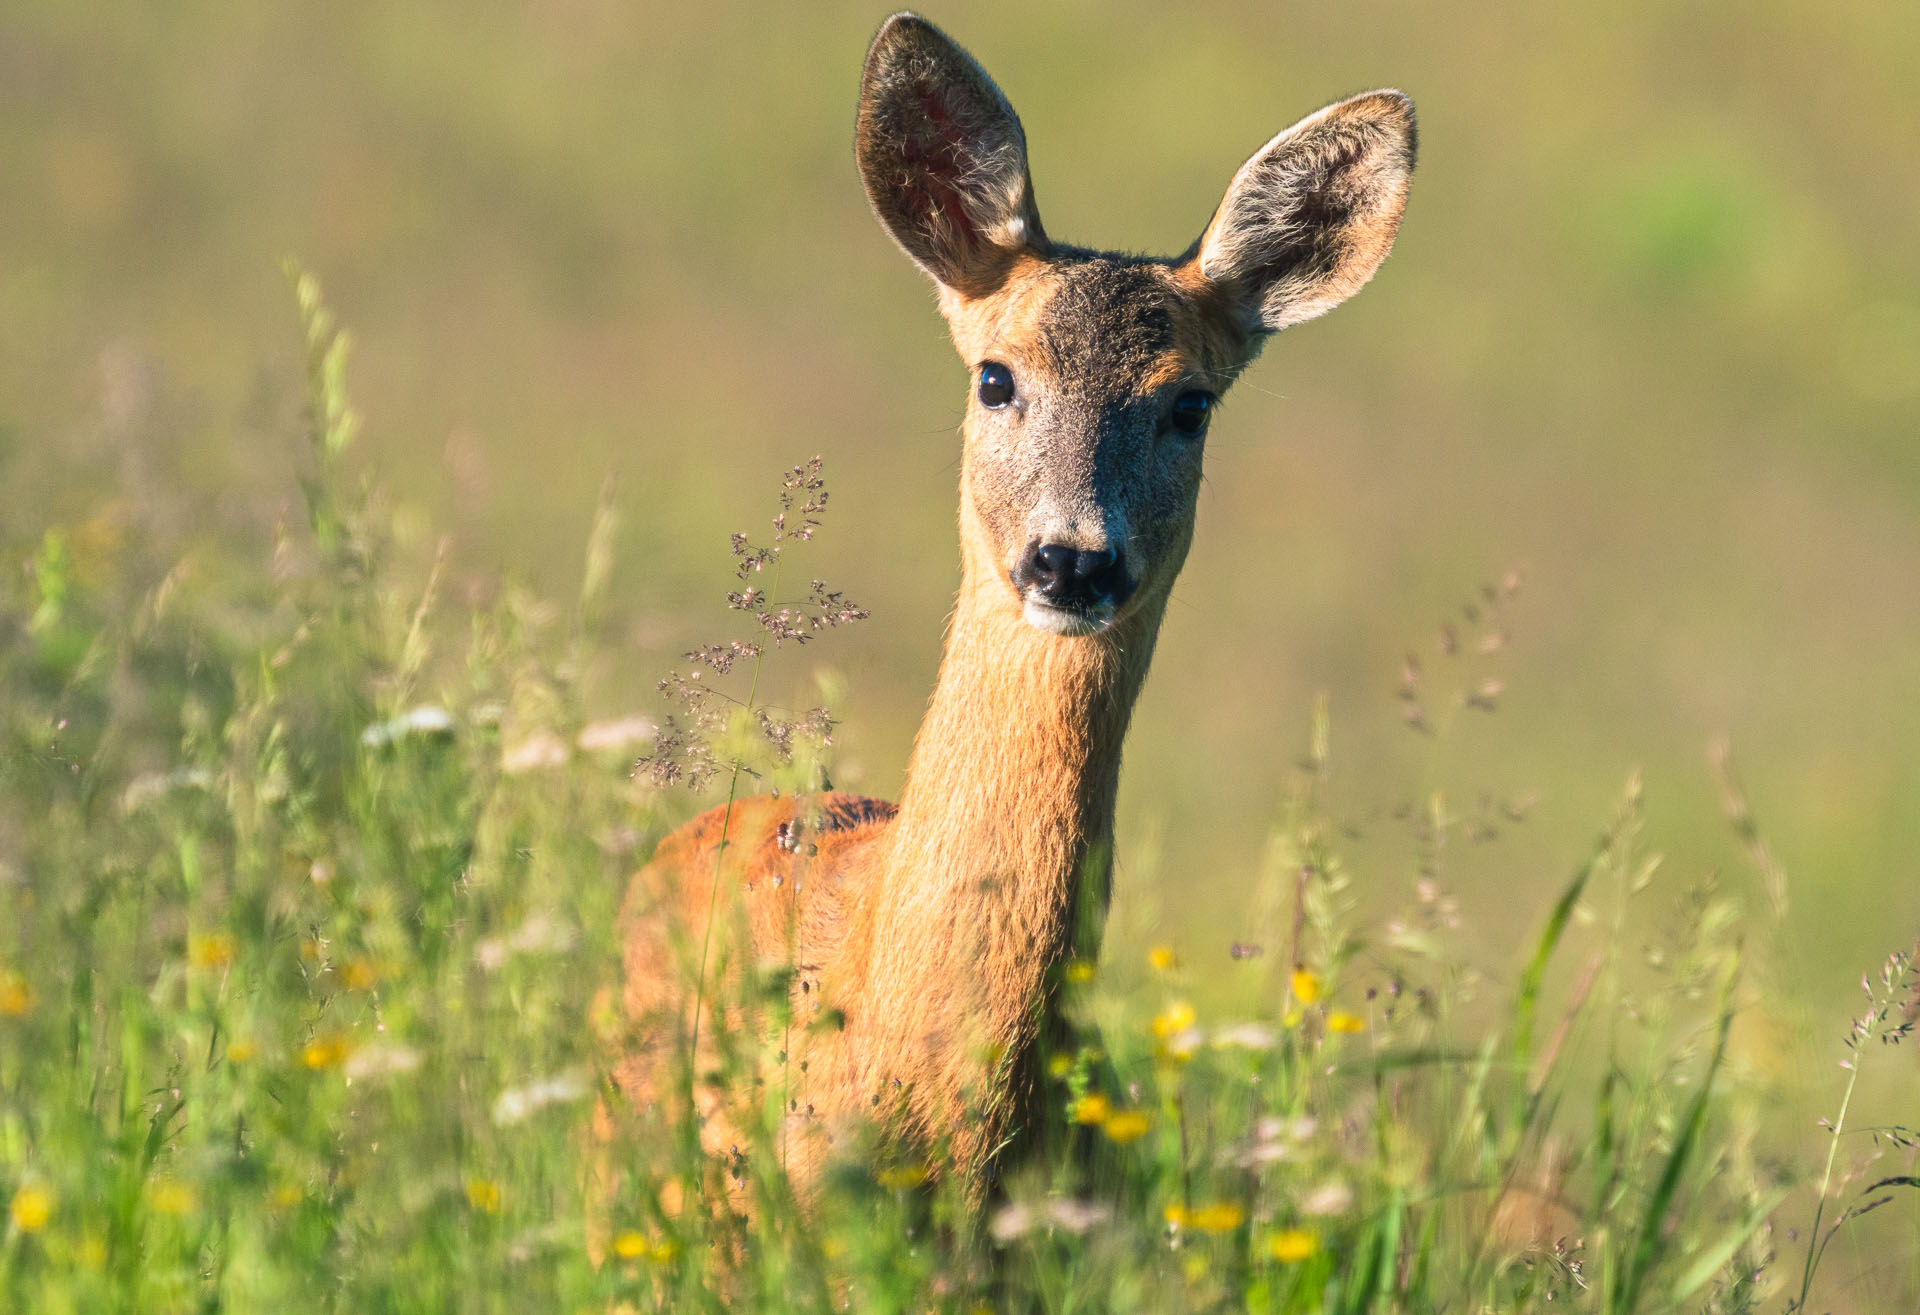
{"x": 483, "y": 1194}
{"x": 1090, "y": 1108}
{"x": 1059, "y": 1065}
{"x": 629, "y": 1245}
{"x": 1291, "y": 1018}
{"x": 901, "y": 1177}
{"x": 1341, "y": 1021}
{"x": 1175, "y": 1214}
{"x": 324, "y": 1052}
{"x": 16, "y": 997}
{"x": 240, "y": 1051}
{"x": 213, "y": 950}
{"x": 1162, "y": 959}
{"x": 1078, "y": 971}
{"x": 169, "y": 1197}
{"x": 1126, "y": 1126}
{"x": 1220, "y": 1217}
{"x": 1292, "y": 1244}
{"x": 1306, "y": 987}
{"x": 1173, "y": 1020}
{"x": 32, "y": 1207}
{"x": 359, "y": 974}
{"x": 663, "y": 1251}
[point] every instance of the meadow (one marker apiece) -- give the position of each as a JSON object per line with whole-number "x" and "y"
{"x": 322, "y": 739}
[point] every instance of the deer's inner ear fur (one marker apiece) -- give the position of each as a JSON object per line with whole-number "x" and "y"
{"x": 943, "y": 158}
{"x": 1307, "y": 220}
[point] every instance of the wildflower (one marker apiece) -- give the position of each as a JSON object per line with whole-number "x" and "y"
{"x": 32, "y": 1207}
{"x": 1090, "y": 1108}
{"x": 149, "y": 786}
{"x": 1220, "y": 1217}
{"x": 429, "y": 721}
{"x": 1078, "y": 971}
{"x": 901, "y": 1177}
{"x": 240, "y": 1051}
{"x": 359, "y": 974}
{"x": 1019, "y": 1218}
{"x": 1306, "y": 986}
{"x": 16, "y": 997}
{"x": 631, "y": 1245}
{"x": 516, "y": 1103}
{"x": 324, "y": 1052}
{"x": 616, "y": 736}
{"x": 539, "y": 934}
{"x": 1175, "y": 1214}
{"x": 170, "y": 1197}
{"x": 1243, "y": 1036}
{"x": 1292, "y": 1245}
{"x": 1126, "y": 1126}
{"x": 379, "y": 1061}
{"x": 1341, "y": 1021}
{"x": 1059, "y": 1065}
{"x": 1330, "y": 1198}
{"x": 1076, "y": 1216}
{"x": 1180, "y": 1047}
{"x": 1161, "y": 959}
{"x": 211, "y": 951}
{"x": 483, "y": 1194}
{"x": 1176, "y": 1017}
{"x": 1291, "y": 1019}
{"x": 541, "y": 749}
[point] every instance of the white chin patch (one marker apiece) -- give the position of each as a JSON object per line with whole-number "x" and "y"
{"x": 1059, "y": 621}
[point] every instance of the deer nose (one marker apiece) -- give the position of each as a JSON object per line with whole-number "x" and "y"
{"x": 1075, "y": 577}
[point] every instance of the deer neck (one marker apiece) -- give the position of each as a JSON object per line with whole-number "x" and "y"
{"x": 996, "y": 866}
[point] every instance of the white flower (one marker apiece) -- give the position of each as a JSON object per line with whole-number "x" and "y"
{"x": 541, "y": 749}
{"x": 1243, "y": 1036}
{"x": 616, "y": 736}
{"x": 1010, "y": 1222}
{"x": 1332, "y": 1197}
{"x": 1076, "y": 1216}
{"x": 151, "y": 785}
{"x": 539, "y": 934}
{"x": 424, "y": 720}
{"x": 1020, "y": 1218}
{"x": 379, "y": 1061}
{"x": 516, "y": 1103}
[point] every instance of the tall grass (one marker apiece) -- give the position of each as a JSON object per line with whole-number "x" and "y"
{"x": 312, "y": 884}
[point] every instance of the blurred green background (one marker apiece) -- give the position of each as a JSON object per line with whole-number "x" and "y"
{"x": 1650, "y": 337}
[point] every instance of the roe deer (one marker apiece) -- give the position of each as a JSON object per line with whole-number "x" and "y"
{"x": 925, "y": 938}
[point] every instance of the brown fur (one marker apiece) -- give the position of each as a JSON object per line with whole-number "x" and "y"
{"x": 924, "y": 940}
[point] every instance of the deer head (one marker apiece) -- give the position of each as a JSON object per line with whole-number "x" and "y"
{"x": 1094, "y": 374}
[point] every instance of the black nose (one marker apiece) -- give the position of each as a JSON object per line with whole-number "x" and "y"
{"x": 1070, "y": 577}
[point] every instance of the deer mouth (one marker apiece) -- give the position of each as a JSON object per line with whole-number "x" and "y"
{"x": 1072, "y": 620}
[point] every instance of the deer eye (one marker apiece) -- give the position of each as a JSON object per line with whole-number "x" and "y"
{"x": 996, "y": 385}
{"x": 1191, "y": 411}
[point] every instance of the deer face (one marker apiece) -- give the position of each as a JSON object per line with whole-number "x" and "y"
{"x": 1095, "y": 376}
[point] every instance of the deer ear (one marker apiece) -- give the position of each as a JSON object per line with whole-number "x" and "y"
{"x": 943, "y": 158}
{"x": 1309, "y": 218}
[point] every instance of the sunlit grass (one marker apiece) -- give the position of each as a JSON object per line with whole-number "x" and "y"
{"x": 312, "y": 884}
